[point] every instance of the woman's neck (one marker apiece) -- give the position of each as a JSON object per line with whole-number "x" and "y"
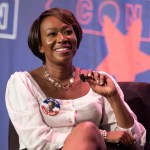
{"x": 60, "y": 72}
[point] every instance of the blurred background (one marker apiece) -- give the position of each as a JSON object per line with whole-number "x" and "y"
{"x": 116, "y": 39}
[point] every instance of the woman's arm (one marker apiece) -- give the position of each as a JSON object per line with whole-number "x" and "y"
{"x": 24, "y": 112}
{"x": 117, "y": 114}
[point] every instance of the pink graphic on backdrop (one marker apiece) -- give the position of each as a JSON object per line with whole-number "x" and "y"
{"x": 47, "y": 4}
{"x": 84, "y": 11}
{"x": 125, "y": 59}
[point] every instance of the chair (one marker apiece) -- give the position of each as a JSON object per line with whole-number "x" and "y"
{"x": 137, "y": 95}
{"x": 13, "y": 139}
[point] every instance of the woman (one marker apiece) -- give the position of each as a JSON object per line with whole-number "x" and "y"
{"x": 82, "y": 107}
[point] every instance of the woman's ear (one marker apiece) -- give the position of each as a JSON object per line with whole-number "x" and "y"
{"x": 41, "y": 50}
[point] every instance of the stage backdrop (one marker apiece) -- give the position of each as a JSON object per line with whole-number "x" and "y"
{"x": 116, "y": 39}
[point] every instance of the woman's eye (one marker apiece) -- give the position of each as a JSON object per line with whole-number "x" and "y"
{"x": 68, "y": 32}
{"x": 51, "y": 34}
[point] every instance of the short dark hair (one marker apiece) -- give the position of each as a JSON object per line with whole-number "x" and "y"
{"x": 34, "y": 36}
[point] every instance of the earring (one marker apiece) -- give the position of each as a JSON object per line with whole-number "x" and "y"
{"x": 41, "y": 51}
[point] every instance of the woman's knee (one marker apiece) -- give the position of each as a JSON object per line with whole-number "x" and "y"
{"x": 86, "y": 134}
{"x": 87, "y": 127}
{"x": 85, "y": 130}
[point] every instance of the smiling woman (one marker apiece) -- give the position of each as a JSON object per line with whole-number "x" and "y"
{"x": 70, "y": 28}
{"x": 53, "y": 32}
{"x": 52, "y": 108}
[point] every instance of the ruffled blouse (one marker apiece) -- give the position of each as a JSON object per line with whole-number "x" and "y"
{"x": 38, "y": 130}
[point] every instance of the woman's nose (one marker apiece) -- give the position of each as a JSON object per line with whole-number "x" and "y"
{"x": 61, "y": 37}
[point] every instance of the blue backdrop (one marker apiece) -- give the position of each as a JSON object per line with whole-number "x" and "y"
{"x": 116, "y": 39}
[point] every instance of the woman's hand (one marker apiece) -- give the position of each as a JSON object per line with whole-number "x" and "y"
{"x": 101, "y": 84}
{"x": 122, "y": 137}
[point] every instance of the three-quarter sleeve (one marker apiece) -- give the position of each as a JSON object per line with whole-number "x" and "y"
{"x": 110, "y": 124}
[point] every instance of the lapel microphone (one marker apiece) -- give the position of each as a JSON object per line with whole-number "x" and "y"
{"x": 83, "y": 77}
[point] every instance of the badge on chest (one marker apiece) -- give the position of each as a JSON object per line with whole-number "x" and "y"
{"x": 50, "y": 106}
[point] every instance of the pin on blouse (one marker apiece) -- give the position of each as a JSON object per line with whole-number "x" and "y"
{"x": 50, "y": 106}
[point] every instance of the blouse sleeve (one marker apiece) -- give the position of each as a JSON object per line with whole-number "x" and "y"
{"x": 23, "y": 109}
{"x": 109, "y": 122}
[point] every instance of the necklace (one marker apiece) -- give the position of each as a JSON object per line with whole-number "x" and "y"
{"x": 57, "y": 83}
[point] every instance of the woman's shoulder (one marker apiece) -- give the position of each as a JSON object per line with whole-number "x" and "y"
{"x": 18, "y": 78}
{"x": 19, "y": 74}
{"x": 24, "y": 74}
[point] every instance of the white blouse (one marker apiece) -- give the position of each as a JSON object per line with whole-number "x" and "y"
{"x": 38, "y": 130}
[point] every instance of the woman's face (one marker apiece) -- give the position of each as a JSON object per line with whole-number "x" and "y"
{"x": 59, "y": 42}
